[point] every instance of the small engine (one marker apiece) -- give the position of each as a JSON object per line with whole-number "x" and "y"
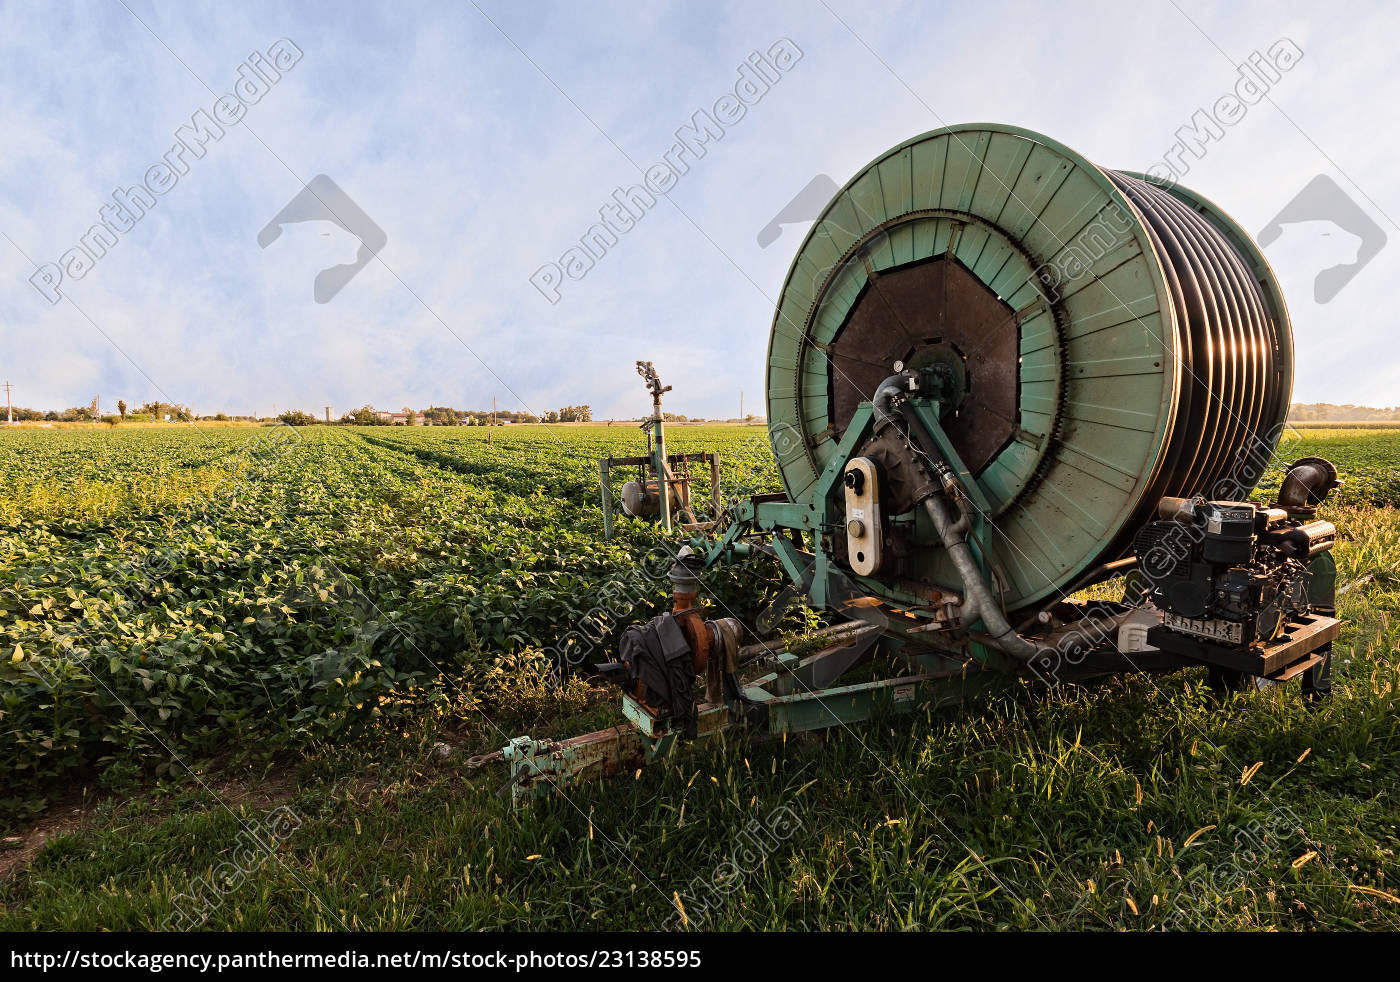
{"x": 1231, "y": 571}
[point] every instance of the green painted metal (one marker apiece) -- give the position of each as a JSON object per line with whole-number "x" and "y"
{"x": 780, "y": 703}
{"x": 1104, "y": 351}
{"x": 1322, "y": 582}
{"x": 657, "y": 465}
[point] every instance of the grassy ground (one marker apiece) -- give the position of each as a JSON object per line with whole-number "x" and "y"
{"x": 1137, "y": 803}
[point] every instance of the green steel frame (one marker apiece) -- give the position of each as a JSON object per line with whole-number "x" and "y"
{"x": 800, "y": 694}
{"x": 649, "y": 464}
{"x": 810, "y": 693}
{"x": 797, "y": 696}
{"x": 657, "y": 465}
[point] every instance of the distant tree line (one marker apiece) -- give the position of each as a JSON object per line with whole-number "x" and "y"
{"x": 570, "y": 414}
{"x": 295, "y": 417}
{"x": 367, "y": 415}
{"x": 90, "y": 414}
{"x": 1327, "y": 412}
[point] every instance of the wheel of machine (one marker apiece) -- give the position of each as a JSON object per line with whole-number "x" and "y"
{"x": 1103, "y": 341}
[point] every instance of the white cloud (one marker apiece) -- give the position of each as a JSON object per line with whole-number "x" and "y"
{"x": 479, "y": 171}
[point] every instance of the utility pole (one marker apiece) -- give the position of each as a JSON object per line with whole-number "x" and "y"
{"x": 741, "y": 405}
{"x": 9, "y": 409}
{"x": 491, "y": 429}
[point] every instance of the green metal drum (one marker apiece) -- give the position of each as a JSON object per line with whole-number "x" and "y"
{"x": 1101, "y": 340}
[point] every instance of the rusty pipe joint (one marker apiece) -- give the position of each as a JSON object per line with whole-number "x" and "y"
{"x": 685, "y": 578}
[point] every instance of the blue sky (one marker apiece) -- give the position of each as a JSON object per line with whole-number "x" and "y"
{"x": 484, "y": 150}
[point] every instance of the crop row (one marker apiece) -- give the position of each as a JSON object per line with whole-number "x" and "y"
{"x": 174, "y": 593}
{"x": 305, "y": 587}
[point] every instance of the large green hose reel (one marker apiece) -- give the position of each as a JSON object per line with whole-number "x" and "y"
{"x": 1099, "y": 342}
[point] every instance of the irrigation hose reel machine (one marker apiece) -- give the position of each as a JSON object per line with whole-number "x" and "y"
{"x": 999, "y": 374}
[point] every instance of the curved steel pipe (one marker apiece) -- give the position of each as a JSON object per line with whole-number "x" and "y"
{"x": 883, "y": 398}
{"x": 978, "y": 600}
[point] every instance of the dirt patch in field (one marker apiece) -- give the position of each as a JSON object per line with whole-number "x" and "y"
{"x": 77, "y": 815}
{"x": 21, "y": 847}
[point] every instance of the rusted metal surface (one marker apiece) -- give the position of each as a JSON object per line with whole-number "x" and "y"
{"x": 935, "y": 311}
{"x": 544, "y": 766}
{"x": 1299, "y": 639}
{"x": 752, "y": 651}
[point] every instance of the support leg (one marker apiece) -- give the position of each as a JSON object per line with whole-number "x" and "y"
{"x": 1317, "y": 681}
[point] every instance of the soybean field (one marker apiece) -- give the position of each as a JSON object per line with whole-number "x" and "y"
{"x": 202, "y": 627}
